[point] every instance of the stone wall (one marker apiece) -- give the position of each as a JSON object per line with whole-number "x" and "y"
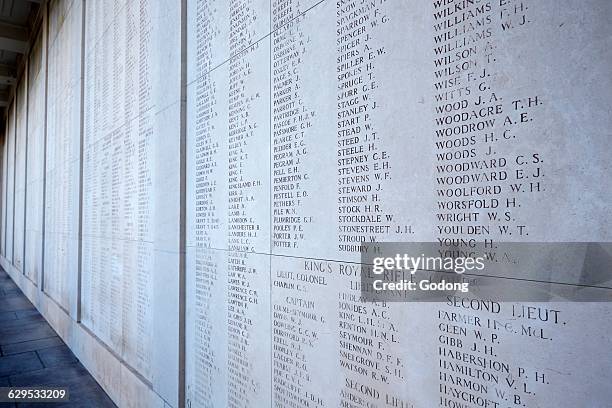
{"x": 188, "y": 188}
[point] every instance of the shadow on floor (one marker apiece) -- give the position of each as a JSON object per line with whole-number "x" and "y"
{"x": 32, "y": 355}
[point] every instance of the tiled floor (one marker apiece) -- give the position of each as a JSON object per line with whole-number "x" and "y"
{"x": 31, "y": 354}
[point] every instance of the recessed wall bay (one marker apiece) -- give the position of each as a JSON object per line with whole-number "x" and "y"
{"x": 117, "y": 185}
{"x": 63, "y": 159}
{"x": 130, "y": 187}
{"x": 21, "y": 135}
{"x": 3, "y": 215}
{"x": 33, "y": 255}
{"x": 10, "y": 183}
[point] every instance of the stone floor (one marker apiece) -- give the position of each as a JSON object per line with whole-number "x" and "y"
{"x": 31, "y": 354}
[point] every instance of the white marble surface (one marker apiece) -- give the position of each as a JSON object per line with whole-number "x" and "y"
{"x": 33, "y": 256}
{"x": 10, "y": 182}
{"x": 309, "y": 127}
{"x": 3, "y": 209}
{"x": 115, "y": 292}
{"x": 361, "y": 145}
{"x": 20, "y": 176}
{"x": 62, "y": 172}
{"x": 131, "y": 187}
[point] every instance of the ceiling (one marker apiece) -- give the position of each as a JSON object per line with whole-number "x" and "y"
{"x": 18, "y": 22}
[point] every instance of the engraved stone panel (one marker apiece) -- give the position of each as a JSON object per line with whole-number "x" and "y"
{"x": 35, "y": 162}
{"x": 229, "y": 328}
{"x": 330, "y": 348}
{"x": 10, "y": 183}
{"x": 63, "y": 154}
{"x": 5, "y": 143}
{"x": 131, "y": 185}
{"x": 118, "y": 175}
{"x": 445, "y": 121}
{"x": 230, "y": 174}
{"x": 222, "y": 29}
{"x": 21, "y": 135}
{"x": 282, "y": 136}
{"x": 228, "y": 202}
{"x": 342, "y": 111}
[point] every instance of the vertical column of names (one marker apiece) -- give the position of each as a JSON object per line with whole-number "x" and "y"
{"x": 35, "y": 160}
{"x": 491, "y": 188}
{"x": 146, "y": 176}
{"x": 207, "y": 333}
{"x": 304, "y": 358}
{"x": 21, "y": 136}
{"x": 119, "y": 180}
{"x": 10, "y": 190}
{"x": 128, "y": 216}
{"x": 291, "y": 128}
{"x": 248, "y": 203}
{"x": 113, "y": 43}
{"x": 4, "y": 187}
{"x": 363, "y": 164}
{"x": 63, "y": 153}
{"x": 479, "y": 179}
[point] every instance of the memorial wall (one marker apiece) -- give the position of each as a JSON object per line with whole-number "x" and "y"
{"x": 9, "y": 208}
{"x": 3, "y": 194}
{"x": 20, "y": 176}
{"x": 63, "y": 154}
{"x": 197, "y": 185}
{"x": 131, "y": 186}
{"x": 35, "y": 167}
{"x": 92, "y": 151}
{"x": 316, "y": 127}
